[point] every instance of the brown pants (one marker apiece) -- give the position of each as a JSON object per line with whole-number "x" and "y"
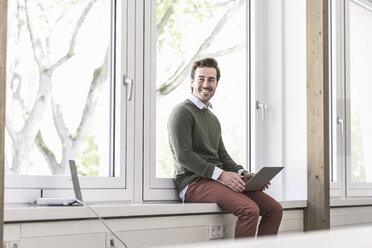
{"x": 247, "y": 206}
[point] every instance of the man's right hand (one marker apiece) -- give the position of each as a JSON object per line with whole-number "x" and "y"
{"x": 232, "y": 180}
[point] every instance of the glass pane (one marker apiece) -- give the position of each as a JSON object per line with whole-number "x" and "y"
{"x": 197, "y": 29}
{"x": 360, "y": 92}
{"x": 58, "y": 87}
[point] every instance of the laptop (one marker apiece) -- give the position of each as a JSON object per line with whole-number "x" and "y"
{"x": 262, "y": 178}
{"x": 61, "y": 201}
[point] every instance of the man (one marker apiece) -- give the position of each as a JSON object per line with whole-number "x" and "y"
{"x": 204, "y": 171}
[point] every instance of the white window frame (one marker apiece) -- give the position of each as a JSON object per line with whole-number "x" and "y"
{"x": 337, "y": 110}
{"x": 26, "y": 188}
{"x": 160, "y": 188}
{"x": 154, "y": 188}
{"x": 353, "y": 189}
{"x": 344, "y": 187}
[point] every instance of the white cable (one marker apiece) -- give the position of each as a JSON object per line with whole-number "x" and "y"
{"x": 104, "y": 223}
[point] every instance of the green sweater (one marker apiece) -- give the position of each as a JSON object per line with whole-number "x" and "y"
{"x": 196, "y": 144}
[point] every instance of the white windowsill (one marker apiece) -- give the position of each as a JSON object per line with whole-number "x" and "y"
{"x": 349, "y": 202}
{"x": 27, "y": 212}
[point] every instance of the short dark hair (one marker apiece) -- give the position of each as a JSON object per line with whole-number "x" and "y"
{"x": 206, "y": 62}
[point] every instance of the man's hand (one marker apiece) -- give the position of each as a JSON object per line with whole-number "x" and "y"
{"x": 249, "y": 175}
{"x": 232, "y": 180}
{"x": 266, "y": 186}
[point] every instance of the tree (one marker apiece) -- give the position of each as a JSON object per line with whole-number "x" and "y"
{"x": 200, "y": 10}
{"x": 49, "y": 14}
{"x": 33, "y": 113}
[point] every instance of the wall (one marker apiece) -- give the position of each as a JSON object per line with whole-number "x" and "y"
{"x": 136, "y": 232}
{"x": 158, "y": 231}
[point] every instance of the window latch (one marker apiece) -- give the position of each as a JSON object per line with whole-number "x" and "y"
{"x": 128, "y": 82}
{"x": 341, "y": 122}
{"x": 263, "y": 108}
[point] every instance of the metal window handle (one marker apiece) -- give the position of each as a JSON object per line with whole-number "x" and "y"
{"x": 128, "y": 82}
{"x": 341, "y": 122}
{"x": 263, "y": 108}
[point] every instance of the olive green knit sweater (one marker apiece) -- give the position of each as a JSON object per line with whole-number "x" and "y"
{"x": 196, "y": 144}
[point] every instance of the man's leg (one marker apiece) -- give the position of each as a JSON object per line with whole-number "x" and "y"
{"x": 270, "y": 210}
{"x": 205, "y": 190}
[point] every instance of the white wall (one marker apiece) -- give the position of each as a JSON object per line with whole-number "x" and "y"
{"x": 158, "y": 231}
{"x": 136, "y": 232}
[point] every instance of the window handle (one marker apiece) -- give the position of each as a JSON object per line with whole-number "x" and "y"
{"x": 263, "y": 108}
{"x": 341, "y": 122}
{"x": 128, "y": 82}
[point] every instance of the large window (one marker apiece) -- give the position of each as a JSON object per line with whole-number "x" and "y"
{"x": 95, "y": 81}
{"x": 182, "y": 32}
{"x": 351, "y": 83}
{"x": 65, "y": 98}
{"x": 58, "y": 88}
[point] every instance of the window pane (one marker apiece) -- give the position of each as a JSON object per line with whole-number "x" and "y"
{"x": 196, "y": 29}
{"x": 58, "y": 87}
{"x": 360, "y": 92}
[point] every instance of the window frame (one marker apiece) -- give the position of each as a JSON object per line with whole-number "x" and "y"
{"x": 353, "y": 189}
{"x": 165, "y": 188}
{"x": 337, "y": 110}
{"x": 154, "y": 188}
{"x": 344, "y": 187}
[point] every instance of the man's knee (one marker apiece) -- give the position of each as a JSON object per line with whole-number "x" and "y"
{"x": 249, "y": 211}
{"x": 276, "y": 209}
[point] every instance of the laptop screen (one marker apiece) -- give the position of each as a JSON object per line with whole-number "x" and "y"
{"x": 75, "y": 180}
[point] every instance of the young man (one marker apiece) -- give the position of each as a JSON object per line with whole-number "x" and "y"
{"x": 204, "y": 171}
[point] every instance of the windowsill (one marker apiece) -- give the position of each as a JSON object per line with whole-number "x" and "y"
{"x": 27, "y": 212}
{"x": 350, "y": 202}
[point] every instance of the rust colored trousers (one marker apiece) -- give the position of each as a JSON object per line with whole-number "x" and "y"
{"x": 247, "y": 206}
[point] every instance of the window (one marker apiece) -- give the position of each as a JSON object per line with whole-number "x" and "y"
{"x": 353, "y": 135}
{"x": 65, "y": 98}
{"x": 180, "y": 32}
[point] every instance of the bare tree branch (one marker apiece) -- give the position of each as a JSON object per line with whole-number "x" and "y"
{"x": 59, "y": 122}
{"x": 160, "y": 26}
{"x": 72, "y": 143}
{"x": 37, "y": 48}
{"x": 46, "y": 152}
{"x": 24, "y": 138}
{"x": 99, "y": 76}
{"x": 222, "y": 4}
{"x": 176, "y": 79}
{"x": 78, "y": 25}
{"x": 225, "y": 51}
{"x": 10, "y": 128}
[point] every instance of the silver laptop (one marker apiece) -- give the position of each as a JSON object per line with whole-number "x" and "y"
{"x": 262, "y": 178}
{"x": 60, "y": 201}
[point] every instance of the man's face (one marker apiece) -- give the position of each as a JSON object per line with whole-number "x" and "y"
{"x": 204, "y": 83}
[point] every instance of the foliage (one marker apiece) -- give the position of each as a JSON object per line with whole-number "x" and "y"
{"x": 358, "y": 172}
{"x": 191, "y": 12}
{"x": 89, "y": 158}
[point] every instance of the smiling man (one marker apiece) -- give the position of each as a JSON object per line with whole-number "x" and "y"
{"x": 204, "y": 171}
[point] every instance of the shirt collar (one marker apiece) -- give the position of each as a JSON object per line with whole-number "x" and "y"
{"x": 198, "y": 103}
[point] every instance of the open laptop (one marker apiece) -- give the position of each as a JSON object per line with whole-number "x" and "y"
{"x": 60, "y": 201}
{"x": 262, "y": 178}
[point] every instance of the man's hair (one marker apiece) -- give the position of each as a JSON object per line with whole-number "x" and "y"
{"x": 206, "y": 62}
